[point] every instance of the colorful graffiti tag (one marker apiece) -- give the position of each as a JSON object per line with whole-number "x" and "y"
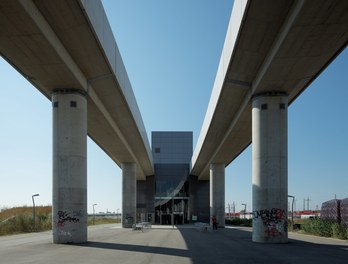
{"x": 274, "y": 221}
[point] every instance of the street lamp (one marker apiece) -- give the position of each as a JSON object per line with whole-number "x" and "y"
{"x": 32, "y": 197}
{"x": 118, "y": 209}
{"x": 292, "y": 211}
{"x": 244, "y": 211}
{"x": 94, "y": 214}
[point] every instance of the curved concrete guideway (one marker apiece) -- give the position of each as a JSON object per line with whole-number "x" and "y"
{"x": 269, "y": 51}
{"x": 70, "y": 45}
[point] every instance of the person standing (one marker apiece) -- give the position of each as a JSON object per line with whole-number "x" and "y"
{"x": 215, "y": 226}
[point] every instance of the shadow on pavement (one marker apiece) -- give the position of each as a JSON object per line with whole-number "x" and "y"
{"x": 137, "y": 248}
{"x": 235, "y": 246}
{"x": 231, "y": 245}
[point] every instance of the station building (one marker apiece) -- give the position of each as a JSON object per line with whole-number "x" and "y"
{"x": 172, "y": 195}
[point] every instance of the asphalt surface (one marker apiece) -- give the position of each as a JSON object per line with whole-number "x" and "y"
{"x": 112, "y": 244}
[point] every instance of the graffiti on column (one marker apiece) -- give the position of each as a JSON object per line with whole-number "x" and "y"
{"x": 64, "y": 217}
{"x": 274, "y": 221}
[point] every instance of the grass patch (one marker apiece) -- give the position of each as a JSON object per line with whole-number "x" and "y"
{"x": 20, "y": 220}
{"x": 102, "y": 221}
{"x": 324, "y": 228}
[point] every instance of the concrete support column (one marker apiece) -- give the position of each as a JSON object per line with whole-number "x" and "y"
{"x": 270, "y": 168}
{"x": 129, "y": 194}
{"x": 69, "y": 212}
{"x": 217, "y": 193}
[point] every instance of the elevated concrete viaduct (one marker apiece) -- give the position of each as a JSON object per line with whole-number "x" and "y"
{"x": 272, "y": 52}
{"x": 66, "y": 49}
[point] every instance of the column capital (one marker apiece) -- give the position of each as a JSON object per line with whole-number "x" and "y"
{"x": 215, "y": 165}
{"x": 69, "y": 91}
{"x": 269, "y": 94}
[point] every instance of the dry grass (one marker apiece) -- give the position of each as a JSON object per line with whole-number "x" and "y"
{"x": 16, "y": 211}
{"x": 20, "y": 219}
{"x": 101, "y": 221}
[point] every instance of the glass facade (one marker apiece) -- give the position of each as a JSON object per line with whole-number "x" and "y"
{"x": 172, "y": 152}
{"x": 170, "y": 177}
{"x": 172, "y": 196}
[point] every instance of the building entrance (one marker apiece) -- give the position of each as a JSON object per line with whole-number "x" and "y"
{"x": 171, "y": 210}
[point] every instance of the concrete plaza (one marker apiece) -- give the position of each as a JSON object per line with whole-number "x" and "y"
{"x": 163, "y": 244}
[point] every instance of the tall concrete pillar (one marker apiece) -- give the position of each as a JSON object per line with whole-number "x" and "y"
{"x": 270, "y": 168}
{"x": 69, "y": 213}
{"x": 217, "y": 193}
{"x": 129, "y": 194}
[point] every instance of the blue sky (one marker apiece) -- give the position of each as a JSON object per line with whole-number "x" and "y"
{"x": 171, "y": 51}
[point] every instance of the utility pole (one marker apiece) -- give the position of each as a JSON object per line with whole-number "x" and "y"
{"x": 295, "y": 205}
{"x": 244, "y": 212}
{"x": 292, "y": 211}
{"x": 308, "y": 203}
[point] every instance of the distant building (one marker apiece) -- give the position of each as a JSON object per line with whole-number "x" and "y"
{"x": 172, "y": 195}
{"x": 335, "y": 210}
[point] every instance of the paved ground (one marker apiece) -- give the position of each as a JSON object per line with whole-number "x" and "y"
{"x": 111, "y": 244}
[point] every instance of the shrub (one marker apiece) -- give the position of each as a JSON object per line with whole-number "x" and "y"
{"x": 324, "y": 228}
{"x": 317, "y": 227}
{"x": 239, "y": 222}
{"x": 339, "y": 231}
